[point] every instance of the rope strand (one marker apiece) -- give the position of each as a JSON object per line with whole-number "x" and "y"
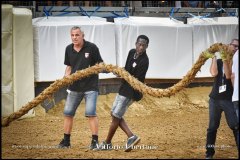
{"x": 136, "y": 84}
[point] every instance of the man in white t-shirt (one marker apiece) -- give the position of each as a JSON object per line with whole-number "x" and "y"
{"x": 234, "y": 78}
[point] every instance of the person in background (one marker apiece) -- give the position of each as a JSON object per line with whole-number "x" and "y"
{"x": 220, "y": 101}
{"x": 178, "y": 4}
{"x": 193, "y": 4}
{"x": 235, "y": 77}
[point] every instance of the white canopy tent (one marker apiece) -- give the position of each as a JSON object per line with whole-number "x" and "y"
{"x": 174, "y": 47}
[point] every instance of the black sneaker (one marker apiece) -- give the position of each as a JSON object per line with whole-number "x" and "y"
{"x": 64, "y": 144}
{"x": 209, "y": 156}
{"x": 94, "y": 145}
{"x": 134, "y": 140}
{"x": 210, "y": 152}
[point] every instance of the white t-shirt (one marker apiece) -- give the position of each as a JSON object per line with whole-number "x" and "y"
{"x": 235, "y": 70}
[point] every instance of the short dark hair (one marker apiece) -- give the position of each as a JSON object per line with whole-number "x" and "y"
{"x": 235, "y": 39}
{"x": 143, "y": 37}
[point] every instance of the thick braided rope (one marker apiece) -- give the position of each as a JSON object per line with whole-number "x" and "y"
{"x": 122, "y": 73}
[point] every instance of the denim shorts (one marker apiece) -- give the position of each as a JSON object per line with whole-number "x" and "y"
{"x": 120, "y": 106}
{"x": 74, "y": 99}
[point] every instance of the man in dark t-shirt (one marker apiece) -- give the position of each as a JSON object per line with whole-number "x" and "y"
{"x": 137, "y": 65}
{"x": 220, "y": 101}
{"x": 79, "y": 55}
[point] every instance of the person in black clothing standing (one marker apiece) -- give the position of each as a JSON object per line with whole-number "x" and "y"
{"x": 137, "y": 65}
{"x": 220, "y": 101}
{"x": 81, "y": 54}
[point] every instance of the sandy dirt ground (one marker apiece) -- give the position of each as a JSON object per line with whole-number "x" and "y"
{"x": 169, "y": 128}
